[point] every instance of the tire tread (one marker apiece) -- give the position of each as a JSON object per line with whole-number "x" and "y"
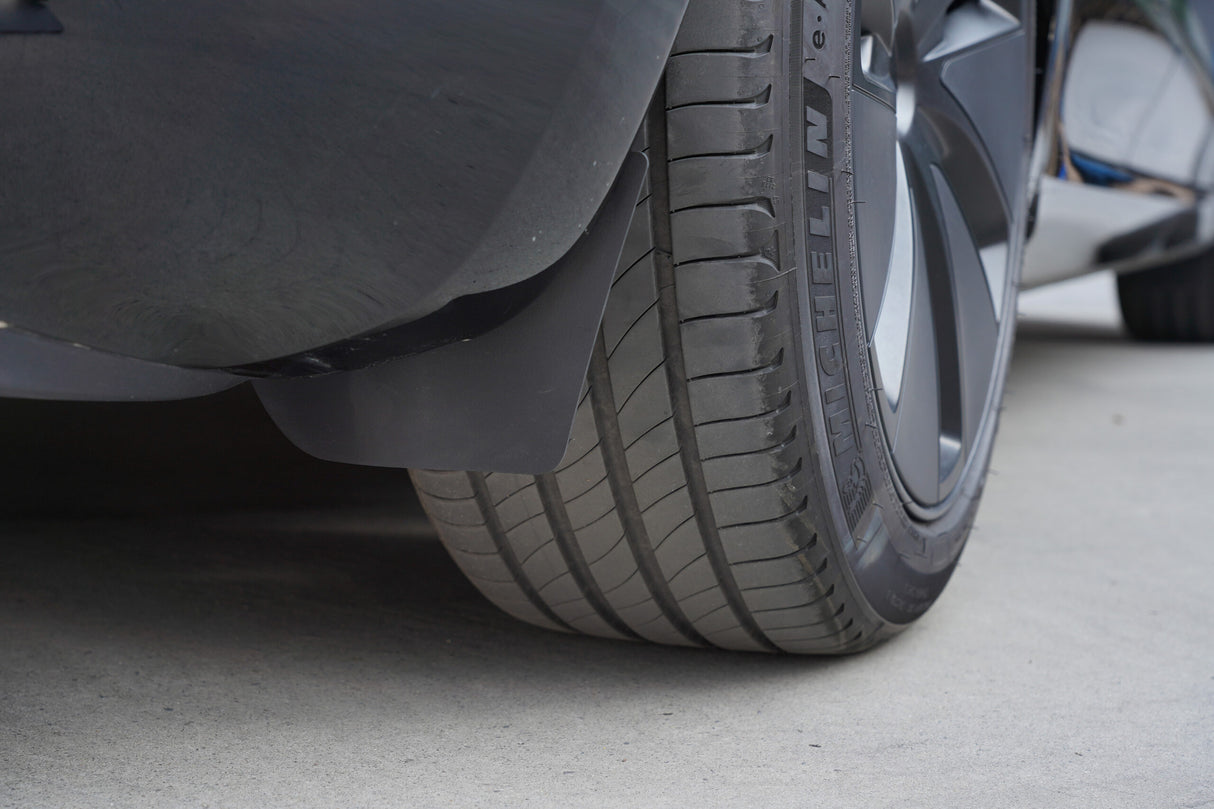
{"x": 680, "y": 513}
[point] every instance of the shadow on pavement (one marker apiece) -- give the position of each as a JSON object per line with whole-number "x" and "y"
{"x": 1070, "y": 331}
{"x": 196, "y": 529}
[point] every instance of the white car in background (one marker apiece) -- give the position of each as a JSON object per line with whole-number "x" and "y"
{"x": 1131, "y": 166}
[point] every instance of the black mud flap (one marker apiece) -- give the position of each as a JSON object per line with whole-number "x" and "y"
{"x": 502, "y": 402}
{"x": 27, "y": 17}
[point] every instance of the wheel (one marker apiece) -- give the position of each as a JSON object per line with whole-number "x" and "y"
{"x": 1173, "y": 303}
{"x": 789, "y": 411}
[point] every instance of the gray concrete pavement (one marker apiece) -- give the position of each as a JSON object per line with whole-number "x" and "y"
{"x": 220, "y": 622}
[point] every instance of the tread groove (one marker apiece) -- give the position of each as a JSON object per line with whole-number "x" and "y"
{"x": 757, "y": 100}
{"x": 633, "y": 323}
{"x": 680, "y": 398}
{"x": 639, "y": 385}
{"x": 480, "y": 493}
{"x": 647, "y": 432}
{"x": 670, "y": 533}
{"x": 762, "y": 369}
{"x": 758, "y": 48}
{"x": 759, "y": 311}
{"x": 756, "y": 151}
{"x": 787, "y": 476}
{"x": 807, "y": 546}
{"x": 566, "y": 542}
{"x": 612, "y": 444}
{"x": 780, "y": 408}
{"x": 749, "y": 203}
{"x": 800, "y": 509}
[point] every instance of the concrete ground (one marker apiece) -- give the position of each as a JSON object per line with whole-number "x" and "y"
{"x": 192, "y": 614}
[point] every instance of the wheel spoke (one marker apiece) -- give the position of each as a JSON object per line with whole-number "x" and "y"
{"x": 892, "y": 324}
{"x": 977, "y": 326}
{"x": 935, "y": 407}
{"x": 968, "y": 24}
{"x": 877, "y": 18}
{"x": 956, "y": 94}
{"x": 917, "y": 417}
{"x": 881, "y": 195}
{"x": 927, "y": 19}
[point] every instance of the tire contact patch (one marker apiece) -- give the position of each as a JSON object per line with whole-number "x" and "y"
{"x": 830, "y": 361}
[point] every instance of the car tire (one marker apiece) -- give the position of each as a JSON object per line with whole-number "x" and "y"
{"x": 738, "y": 474}
{"x": 1173, "y": 303}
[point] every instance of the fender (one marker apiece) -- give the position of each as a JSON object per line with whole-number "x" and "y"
{"x": 216, "y": 185}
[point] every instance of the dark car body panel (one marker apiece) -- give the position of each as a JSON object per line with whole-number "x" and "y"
{"x": 215, "y": 185}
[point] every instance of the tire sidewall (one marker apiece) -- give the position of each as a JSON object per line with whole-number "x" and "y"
{"x": 899, "y": 562}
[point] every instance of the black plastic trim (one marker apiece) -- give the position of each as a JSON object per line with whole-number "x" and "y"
{"x": 503, "y": 402}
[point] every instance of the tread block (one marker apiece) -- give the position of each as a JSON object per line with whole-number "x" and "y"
{"x": 719, "y": 77}
{"x": 597, "y": 539}
{"x": 753, "y": 468}
{"x": 679, "y": 548}
{"x": 442, "y": 484}
{"x": 518, "y": 508}
{"x": 730, "y": 230}
{"x": 653, "y": 446}
{"x": 734, "y": 637}
{"x": 591, "y": 624}
{"x": 582, "y": 475}
{"x": 720, "y": 130}
{"x": 717, "y": 622}
{"x": 733, "y": 439}
{"x": 692, "y": 579}
{"x": 648, "y": 621}
{"x": 532, "y": 540}
{"x": 659, "y": 481}
{"x": 455, "y": 512}
{"x": 758, "y": 503}
{"x": 706, "y": 601}
{"x": 788, "y": 535}
{"x": 639, "y": 240}
{"x": 728, "y": 286}
{"x": 590, "y": 507}
{"x": 649, "y": 404}
{"x": 510, "y": 599}
{"x": 472, "y": 539}
{"x": 503, "y": 484}
{"x": 701, "y": 181}
{"x": 776, "y": 622}
{"x": 638, "y": 357}
{"x": 808, "y": 633}
{"x": 803, "y": 594}
{"x": 741, "y": 396}
{"x": 482, "y": 566}
{"x": 615, "y": 568}
{"x": 667, "y": 514}
{"x": 769, "y": 573}
{"x": 714, "y": 25}
{"x": 735, "y": 343}
{"x": 560, "y": 591}
{"x": 634, "y": 292}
